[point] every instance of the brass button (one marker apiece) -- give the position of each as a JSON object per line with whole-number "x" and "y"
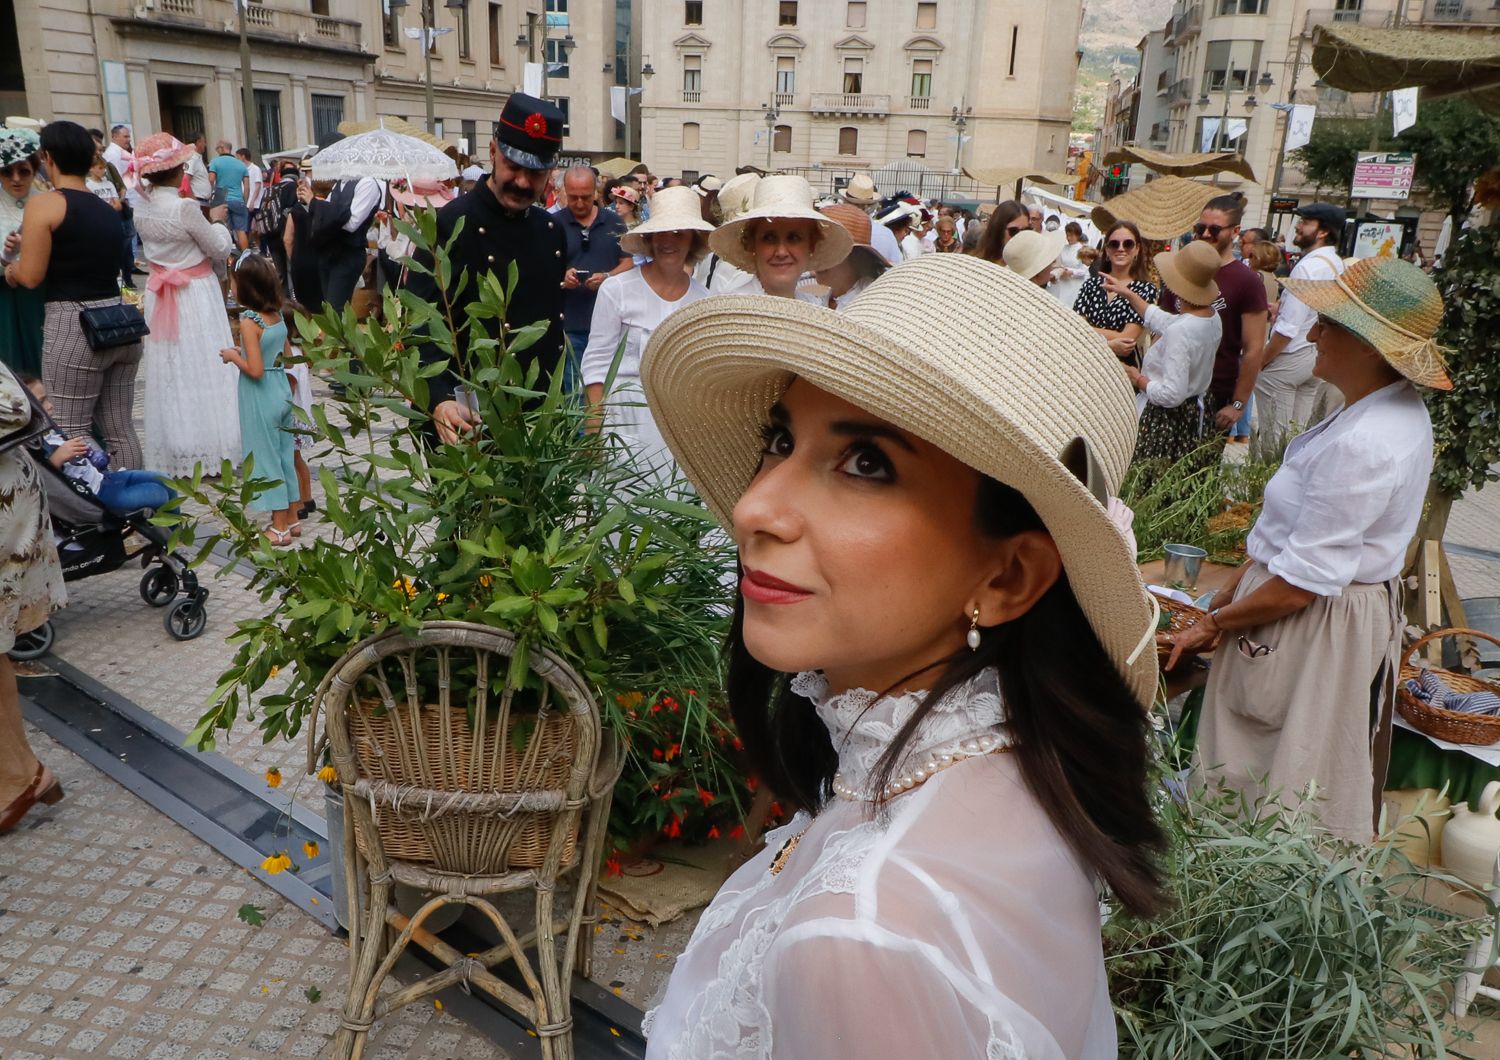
{"x": 549, "y": 224}
{"x": 491, "y": 259}
{"x": 557, "y": 253}
{"x": 481, "y": 231}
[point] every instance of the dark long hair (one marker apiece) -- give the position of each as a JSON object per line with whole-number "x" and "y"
{"x": 992, "y": 241}
{"x": 1139, "y": 268}
{"x": 1080, "y": 735}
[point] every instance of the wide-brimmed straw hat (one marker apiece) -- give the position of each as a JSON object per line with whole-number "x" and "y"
{"x": 1189, "y": 273}
{"x": 736, "y": 195}
{"x": 861, "y": 191}
{"x": 422, "y": 193}
{"x": 857, "y": 223}
{"x": 160, "y": 152}
{"x": 1391, "y": 304}
{"x": 1028, "y": 253}
{"x": 677, "y": 209}
{"x": 1162, "y": 209}
{"x": 781, "y": 198}
{"x": 999, "y": 375}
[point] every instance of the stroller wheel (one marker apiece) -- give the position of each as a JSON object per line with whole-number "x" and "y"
{"x": 185, "y": 619}
{"x": 159, "y": 586}
{"x": 35, "y": 644}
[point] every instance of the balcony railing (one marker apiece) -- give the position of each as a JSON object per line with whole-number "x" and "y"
{"x": 919, "y": 102}
{"x": 261, "y": 20}
{"x": 1323, "y": 16}
{"x": 1453, "y": 13}
{"x": 1180, "y": 92}
{"x": 692, "y": 95}
{"x": 784, "y": 99}
{"x": 853, "y": 104}
{"x": 1186, "y": 22}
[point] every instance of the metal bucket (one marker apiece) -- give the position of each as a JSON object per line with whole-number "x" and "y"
{"x": 1184, "y": 564}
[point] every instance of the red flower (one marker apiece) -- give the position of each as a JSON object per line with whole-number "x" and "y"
{"x": 674, "y": 751}
{"x": 656, "y": 753}
{"x": 752, "y": 783}
{"x": 612, "y": 867}
{"x": 535, "y": 125}
{"x": 738, "y": 745}
{"x": 737, "y": 831}
{"x": 674, "y": 828}
{"x": 671, "y": 704}
{"x": 713, "y": 833}
{"x": 705, "y": 797}
{"x": 776, "y": 810}
{"x": 656, "y": 708}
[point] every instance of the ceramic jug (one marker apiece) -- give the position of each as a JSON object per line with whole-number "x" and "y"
{"x": 1471, "y": 839}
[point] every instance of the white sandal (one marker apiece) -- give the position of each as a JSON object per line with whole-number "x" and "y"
{"x": 278, "y": 538}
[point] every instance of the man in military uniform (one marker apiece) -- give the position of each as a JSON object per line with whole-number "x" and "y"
{"x": 503, "y": 223}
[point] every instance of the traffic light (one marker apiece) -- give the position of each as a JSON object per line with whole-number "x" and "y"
{"x": 1117, "y": 171}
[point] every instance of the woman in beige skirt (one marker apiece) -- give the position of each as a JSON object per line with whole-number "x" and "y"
{"x": 1303, "y": 676}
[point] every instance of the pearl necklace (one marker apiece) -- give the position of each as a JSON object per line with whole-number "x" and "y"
{"x": 974, "y": 747}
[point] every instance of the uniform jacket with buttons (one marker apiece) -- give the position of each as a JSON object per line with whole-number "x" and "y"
{"x": 491, "y": 239}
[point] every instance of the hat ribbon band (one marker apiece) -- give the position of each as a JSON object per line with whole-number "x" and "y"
{"x": 1150, "y": 635}
{"x": 1419, "y": 343}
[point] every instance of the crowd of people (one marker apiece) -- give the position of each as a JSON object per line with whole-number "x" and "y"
{"x": 914, "y": 423}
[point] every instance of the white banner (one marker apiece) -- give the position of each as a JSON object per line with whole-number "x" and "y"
{"x": 1403, "y": 109}
{"x": 1299, "y": 125}
{"x": 531, "y": 79}
{"x": 617, "y": 98}
{"x": 1209, "y": 134}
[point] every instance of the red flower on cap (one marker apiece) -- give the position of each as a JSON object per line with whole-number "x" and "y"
{"x": 535, "y": 125}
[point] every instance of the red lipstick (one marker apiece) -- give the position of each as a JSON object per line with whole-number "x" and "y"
{"x": 761, "y": 588}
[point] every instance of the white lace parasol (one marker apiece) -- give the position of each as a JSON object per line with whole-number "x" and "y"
{"x": 384, "y": 155}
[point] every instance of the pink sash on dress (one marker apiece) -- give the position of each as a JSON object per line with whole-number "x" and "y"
{"x": 165, "y": 283}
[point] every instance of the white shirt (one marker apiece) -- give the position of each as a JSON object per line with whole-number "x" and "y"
{"x": 956, "y": 923}
{"x": 1295, "y": 319}
{"x": 257, "y": 185}
{"x": 885, "y": 244}
{"x": 367, "y": 195}
{"x": 843, "y": 302}
{"x": 175, "y": 234}
{"x": 911, "y": 247}
{"x": 751, "y": 285}
{"x": 121, "y": 159}
{"x": 105, "y": 189}
{"x": 718, "y": 275}
{"x": 1346, "y": 501}
{"x": 627, "y": 308}
{"x": 1180, "y": 364}
{"x": 198, "y": 182}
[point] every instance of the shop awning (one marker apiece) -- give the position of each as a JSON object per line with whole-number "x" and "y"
{"x": 1205, "y": 164}
{"x": 1006, "y": 176}
{"x": 1365, "y": 59}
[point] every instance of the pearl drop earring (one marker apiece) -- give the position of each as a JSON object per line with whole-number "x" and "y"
{"x": 973, "y": 637}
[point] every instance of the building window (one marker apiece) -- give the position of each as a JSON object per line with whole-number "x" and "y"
{"x": 690, "y": 176}
{"x": 557, "y": 7}
{"x": 916, "y": 143}
{"x": 465, "y": 35}
{"x": 390, "y": 26}
{"x": 786, "y": 75}
{"x": 562, "y": 101}
{"x": 268, "y": 119}
{"x": 690, "y": 136}
{"x": 1219, "y": 141}
{"x": 692, "y": 73}
{"x": 320, "y": 7}
{"x": 496, "y": 52}
{"x": 927, "y": 16}
{"x": 437, "y": 127}
{"x": 787, "y": 13}
{"x": 1231, "y": 62}
{"x": 692, "y": 13}
{"x": 855, "y": 19}
{"x": 854, "y": 76}
{"x": 1242, "y": 7}
{"x": 327, "y": 112}
{"x": 848, "y": 140}
{"x": 1348, "y": 10}
{"x": 556, "y": 58}
{"x": 470, "y": 133}
{"x": 781, "y": 141}
{"x": 921, "y": 78}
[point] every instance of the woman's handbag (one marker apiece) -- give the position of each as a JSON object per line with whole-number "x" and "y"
{"x": 108, "y": 326}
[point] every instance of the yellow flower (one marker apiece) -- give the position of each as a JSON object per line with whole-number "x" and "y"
{"x": 276, "y": 864}
{"x": 485, "y": 581}
{"x": 328, "y": 774}
{"x": 273, "y": 777}
{"x": 629, "y": 700}
{"x": 437, "y": 1004}
{"x": 275, "y": 670}
{"x": 310, "y": 848}
{"x": 407, "y": 586}
{"x": 441, "y": 597}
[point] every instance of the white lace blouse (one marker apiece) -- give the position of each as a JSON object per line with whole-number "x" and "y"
{"x": 956, "y": 923}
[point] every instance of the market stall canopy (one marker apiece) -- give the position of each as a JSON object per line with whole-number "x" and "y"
{"x": 1205, "y": 164}
{"x": 615, "y": 168}
{"x": 384, "y": 155}
{"x": 1162, "y": 209}
{"x": 1005, "y": 176}
{"x": 1366, "y": 59}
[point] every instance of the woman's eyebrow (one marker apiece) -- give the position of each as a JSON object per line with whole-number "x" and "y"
{"x": 868, "y": 429}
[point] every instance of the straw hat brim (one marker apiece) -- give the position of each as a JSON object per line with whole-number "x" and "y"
{"x": 833, "y": 246}
{"x": 1012, "y": 386}
{"x": 1180, "y": 285}
{"x": 670, "y": 213}
{"x": 1035, "y": 254}
{"x": 1331, "y": 300}
{"x": 179, "y": 157}
{"x": 1163, "y": 209}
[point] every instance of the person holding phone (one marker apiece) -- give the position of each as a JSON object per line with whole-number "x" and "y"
{"x": 593, "y": 254}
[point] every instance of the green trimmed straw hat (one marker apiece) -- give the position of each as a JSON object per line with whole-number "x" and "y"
{"x": 1391, "y": 304}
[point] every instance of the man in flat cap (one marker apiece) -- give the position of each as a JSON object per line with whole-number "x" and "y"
{"x": 503, "y": 224}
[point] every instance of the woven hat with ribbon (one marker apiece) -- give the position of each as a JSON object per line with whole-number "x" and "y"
{"x": 1391, "y": 304}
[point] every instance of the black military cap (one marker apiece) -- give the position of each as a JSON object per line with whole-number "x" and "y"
{"x": 530, "y": 131}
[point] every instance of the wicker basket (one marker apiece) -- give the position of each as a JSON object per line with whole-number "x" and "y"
{"x": 1455, "y": 726}
{"x": 1182, "y": 616}
{"x": 379, "y": 747}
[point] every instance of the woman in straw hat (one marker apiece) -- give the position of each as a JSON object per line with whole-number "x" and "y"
{"x": 631, "y": 305}
{"x": 940, "y": 654}
{"x": 1033, "y": 255}
{"x": 1303, "y": 676}
{"x": 781, "y": 237}
{"x": 192, "y": 396}
{"x": 848, "y": 279}
{"x": 734, "y": 199}
{"x": 1174, "y": 376}
{"x": 1111, "y": 315}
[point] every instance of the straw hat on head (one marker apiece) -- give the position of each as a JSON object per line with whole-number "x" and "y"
{"x": 1189, "y": 273}
{"x": 735, "y": 196}
{"x": 1162, "y": 209}
{"x": 676, "y": 209}
{"x": 857, "y": 223}
{"x": 1391, "y": 304}
{"x": 160, "y": 152}
{"x": 999, "y": 375}
{"x": 781, "y": 198}
{"x": 861, "y": 191}
{"x": 1029, "y": 253}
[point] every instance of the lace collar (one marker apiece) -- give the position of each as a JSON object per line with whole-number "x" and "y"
{"x": 862, "y": 724}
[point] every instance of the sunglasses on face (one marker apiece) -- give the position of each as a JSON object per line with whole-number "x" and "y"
{"x": 1012, "y": 230}
{"x": 1209, "y": 231}
{"x": 1121, "y": 244}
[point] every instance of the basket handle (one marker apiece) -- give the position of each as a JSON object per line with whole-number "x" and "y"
{"x": 1439, "y": 634}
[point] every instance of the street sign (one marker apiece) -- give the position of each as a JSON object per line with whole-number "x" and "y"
{"x": 1383, "y": 175}
{"x": 1284, "y": 203}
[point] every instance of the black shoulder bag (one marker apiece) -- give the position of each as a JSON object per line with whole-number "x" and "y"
{"x": 108, "y": 326}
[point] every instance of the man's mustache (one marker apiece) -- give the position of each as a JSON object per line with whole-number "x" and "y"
{"x": 509, "y": 188}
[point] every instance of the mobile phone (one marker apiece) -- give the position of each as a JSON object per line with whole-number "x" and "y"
{"x": 581, "y": 274}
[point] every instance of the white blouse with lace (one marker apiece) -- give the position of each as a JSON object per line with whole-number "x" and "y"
{"x": 956, "y": 922}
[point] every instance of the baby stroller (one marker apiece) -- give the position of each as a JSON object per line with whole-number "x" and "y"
{"x": 91, "y": 540}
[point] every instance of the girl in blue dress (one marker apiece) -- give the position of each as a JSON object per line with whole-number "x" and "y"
{"x": 265, "y": 396}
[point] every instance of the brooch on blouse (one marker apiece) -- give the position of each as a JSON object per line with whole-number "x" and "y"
{"x": 779, "y": 861}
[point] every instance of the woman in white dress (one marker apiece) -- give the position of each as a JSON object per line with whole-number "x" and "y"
{"x": 628, "y": 309}
{"x": 1065, "y": 289}
{"x": 780, "y": 239}
{"x": 192, "y": 405}
{"x": 941, "y": 653}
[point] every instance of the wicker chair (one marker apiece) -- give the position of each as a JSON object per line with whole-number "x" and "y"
{"x": 484, "y": 792}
